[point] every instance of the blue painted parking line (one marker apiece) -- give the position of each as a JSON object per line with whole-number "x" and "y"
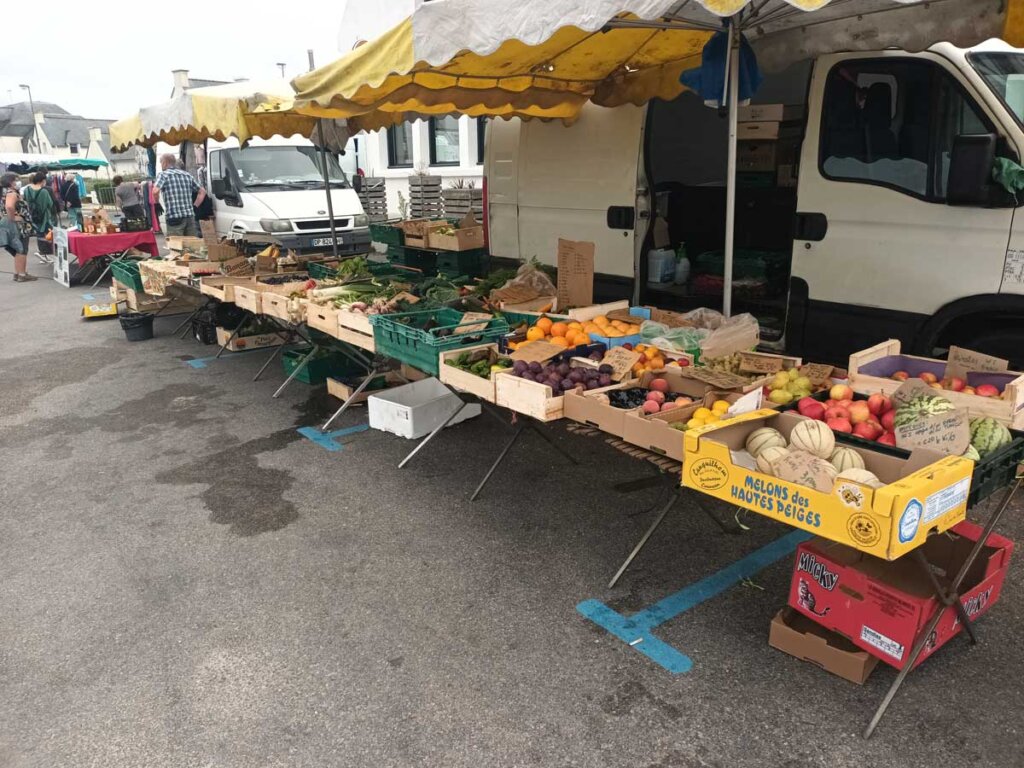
{"x": 329, "y": 440}
{"x": 637, "y": 631}
{"x": 203, "y": 362}
{"x": 88, "y": 297}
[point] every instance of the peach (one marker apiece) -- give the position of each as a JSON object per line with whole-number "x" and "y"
{"x": 986, "y": 390}
{"x": 651, "y": 407}
{"x": 928, "y": 377}
{"x": 900, "y": 376}
{"x": 656, "y": 396}
{"x": 659, "y": 385}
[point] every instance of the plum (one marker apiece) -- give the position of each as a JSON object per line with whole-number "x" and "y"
{"x": 604, "y": 380}
{"x": 519, "y": 367}
{"x": 566, "y": 384}
{"x": 564, "y": 369}
{"x": 536, "y": 368}
{"x": 527, "y": 376}
{"x": 605, "y": 369}
{"x": 592, "y": 384}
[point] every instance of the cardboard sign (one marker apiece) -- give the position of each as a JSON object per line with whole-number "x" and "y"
{"x": 468, "y": 323}
{"x": 536, "y": 351}
{"x": 622, "y": 361}
{"x": 748, "y": 403}
{"x": 910, "y": 389}
{"x": 624, "y": 316}
{"x": 948, "y": 433}
{"x": 575, "y": 273}
{"x": 805, "y": 469}
{"x": 962, "y": 361}
{"x": 716, "y": 379}
{"x": 818, "y": 373}
{"x": 671, "y": 319}
{"x": 754, "y": 363}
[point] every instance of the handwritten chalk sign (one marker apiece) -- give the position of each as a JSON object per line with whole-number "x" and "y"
{"x": 805, "y": 469}
{"x": 947, "y": 433}
{"x": 469, "y": 324}
{"x": 536, "y": 351}
{"x": 622, "y": 361}
{"x": 751, "y": 362}
{"x": 963, "y": 361}
{"x": 575, "y": 273}
{"x": 910, "y": 389}
{"x": 818, "y": 373}
{"x": 717, "y": 379}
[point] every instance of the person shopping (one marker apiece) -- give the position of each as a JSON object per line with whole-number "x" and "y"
{"x": 15, "y": 227}
{"x": 72, "y": 201}
{"x": 129, "y": 198}
{"x": 44, "y": 214}
{"x": 174, "y": 189}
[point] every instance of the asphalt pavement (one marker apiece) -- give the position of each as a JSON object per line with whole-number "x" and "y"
{"x": 186, "y": 580}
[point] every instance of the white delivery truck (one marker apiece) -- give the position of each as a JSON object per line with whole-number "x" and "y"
{"x": 272, "y": 190}
{"x": 868, "y": 212}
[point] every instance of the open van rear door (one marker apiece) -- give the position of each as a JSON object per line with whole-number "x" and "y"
{"x": 548, "y": 180}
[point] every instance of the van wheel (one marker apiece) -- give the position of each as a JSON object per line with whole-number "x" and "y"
{"x": 1007, "y": 343}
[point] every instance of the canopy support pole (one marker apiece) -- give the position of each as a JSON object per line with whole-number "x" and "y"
{"x": 327, "y": 186}
{"x": 733, "y": 86}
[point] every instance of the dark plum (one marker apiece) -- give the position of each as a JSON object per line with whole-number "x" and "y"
{"x": 528, "y": 376}
{"x": 520, "y": 367}
{"x": 592, "y": 384}
{"x": 567, "y": 384}
{"x": 604, "y": 380}
{"x": 536, "y": 368}
{"x": 564, "y": 369}
{"x": 605, "y": 369}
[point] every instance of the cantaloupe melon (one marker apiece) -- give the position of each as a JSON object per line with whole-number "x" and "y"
{"x": 768, "y": 455}
{"x": 844, "y": 457}
{"x": 814, "y": 437}
{"x": 762, "y": 438}
{"x": 862, "y": 476}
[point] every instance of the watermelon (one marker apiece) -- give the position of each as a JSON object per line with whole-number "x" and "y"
{"x": 814, "y": 437}
{"x": 919, "y": 407}
{"x": 762, "y": 438}
{"x": 971, "y": 453}
{"x": 988, "y": 436}
{"x": 844, "y": 458}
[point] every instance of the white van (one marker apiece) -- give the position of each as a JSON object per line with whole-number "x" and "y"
{"x": 872, "y": 215}
{"x": 273, "y": 191}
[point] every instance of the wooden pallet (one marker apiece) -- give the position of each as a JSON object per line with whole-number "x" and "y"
{"x": 374, "y": 198}
{"x": 663, "y": 463}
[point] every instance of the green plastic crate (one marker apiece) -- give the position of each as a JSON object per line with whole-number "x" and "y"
{"x": 414, "y": 258}
{"x": 127, "y": 274}
{"x": 321, "y": 271}
{"x": 388, "y": 234}
{"x": 472, "y": 263}
{"x": 325, "y": 364}
{"x": 402, "y": 336}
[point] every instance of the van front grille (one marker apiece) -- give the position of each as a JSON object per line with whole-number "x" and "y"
{"x": 321, "y": 224}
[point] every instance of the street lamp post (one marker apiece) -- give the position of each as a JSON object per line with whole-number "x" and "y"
{"x": 35, "y": 125}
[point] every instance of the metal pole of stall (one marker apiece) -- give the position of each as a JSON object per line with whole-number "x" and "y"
{"x": 733, "y": 87}
{"x": 327, "y": 185}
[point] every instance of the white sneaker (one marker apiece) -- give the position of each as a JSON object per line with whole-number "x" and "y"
{"x": 43, "y": 259}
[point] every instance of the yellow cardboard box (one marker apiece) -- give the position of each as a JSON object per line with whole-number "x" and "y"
{"x": 925, "y": 493}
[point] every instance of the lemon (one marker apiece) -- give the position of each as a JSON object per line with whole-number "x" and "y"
{"x": 702, "y": 413}
{"x": 694, "y": 423}
{"x": 714, "y": 417}
{"x": 720, "y": 407}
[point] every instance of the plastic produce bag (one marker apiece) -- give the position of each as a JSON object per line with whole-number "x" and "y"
{"x": 739, "y": 333}
{"x": 674, "y": 339}
{"x": 529, "y": 283}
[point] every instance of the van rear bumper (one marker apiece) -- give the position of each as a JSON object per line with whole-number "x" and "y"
{"x": 349, "y": 241}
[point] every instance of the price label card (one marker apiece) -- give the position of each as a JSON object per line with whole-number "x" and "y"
{"x": 751, "y": 362}
{"x": 536, "y": 351}
{"x": 948, "y": 433}
{"x": 805, "y": 469}
{"x": 748, "y": 403}
{"x": 910, "y": 389}
{"x": 468, "y": 323}
{"x": 575, "y": 274}
{"x": 818, "y": 373}
{"x": 716, "y": 379}
{"x": 962, "y": 361}
{"x": 622, "y": 361}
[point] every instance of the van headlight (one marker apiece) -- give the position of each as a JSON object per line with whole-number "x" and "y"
{"x": 276, "y": 225}
{"x": 362, "y": 220}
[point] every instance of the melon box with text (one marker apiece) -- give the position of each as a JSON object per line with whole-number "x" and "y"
{"x": 883, "y": 606}
{"x": 920, "y": 494}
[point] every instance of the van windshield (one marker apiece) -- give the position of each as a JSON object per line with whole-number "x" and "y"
{"x": 285, "y": 168}
{"x": 1004, "y": 74}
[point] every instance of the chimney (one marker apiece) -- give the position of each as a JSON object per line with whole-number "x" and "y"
{"x": 95, "y": 134}
{"x": 180, "y": 79}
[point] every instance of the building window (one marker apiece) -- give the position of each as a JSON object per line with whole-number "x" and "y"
{"x": 481, "y": 138}
{"x": 73, "y": 148}
{"x": 444, "y": 140}
{"x": 400, "y": 146}
{"x": 892, "y": 123}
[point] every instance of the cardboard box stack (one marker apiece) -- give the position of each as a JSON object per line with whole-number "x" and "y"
{"x": 768, "y": 137}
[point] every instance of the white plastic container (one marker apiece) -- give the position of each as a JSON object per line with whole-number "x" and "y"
{"x": 416, "y": 409}
{"x": 661, "y": 266}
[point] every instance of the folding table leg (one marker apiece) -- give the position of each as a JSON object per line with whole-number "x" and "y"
{"x": 540, "y": 431}
{"x": 298, "y": 369}
{"x": 945, "y": 598}
{"x": 734, "y": 530}
{"x": 274, "y": 355}
{"x": 231, "y": 338}
{"x": 497, "y": 461}
{"x": 954, "y": 588}
{"x": 435, "y": 433}
{"x": 358, "y": 391}
{"x": 106, "y": 269}
{"x": 650, "y": 531}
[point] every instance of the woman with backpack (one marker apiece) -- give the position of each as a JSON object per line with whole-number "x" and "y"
{"x": 44, "y": 214}
{"x": 15, "y": 226}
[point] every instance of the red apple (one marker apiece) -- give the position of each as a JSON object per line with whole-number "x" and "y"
{"x": 839, "y": 425}
{"x": 830, "y": 403}
{"x": 866, "y": 430}
{"x": 859, "y": 412}
{"x": 835, "y": 412}
{"x": 814, "y": 411}
{"x": 803, "y": 402}
{"x": 968, "y": 390}
{"x": 956, "y": 384}
{"x": 669, "y": 406}
{"x": 879, "y": 404}
{"x": 656, "y": 396}
{"x": 928, "y": 377}
{"x": 887, "y": 421}
{"x": 887, "y": 438}
{"x": 841, "y": 392}
{"x": 986, "y": 390}
{"x": 900, "y": 376}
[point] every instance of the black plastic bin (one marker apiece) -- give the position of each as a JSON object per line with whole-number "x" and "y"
{"x": 137, "y": 326}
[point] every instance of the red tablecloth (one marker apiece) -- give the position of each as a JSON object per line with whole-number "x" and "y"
{"x": 87, "y": 247}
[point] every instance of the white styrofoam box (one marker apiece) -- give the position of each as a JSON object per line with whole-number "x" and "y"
{"x": 416, "y": 409}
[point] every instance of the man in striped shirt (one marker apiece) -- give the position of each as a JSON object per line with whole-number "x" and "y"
{"x": 176, "y": 188}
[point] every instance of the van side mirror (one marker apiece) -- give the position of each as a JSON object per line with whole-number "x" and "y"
{"x": 357, "y": 183}
{"x": 970, "y": 169}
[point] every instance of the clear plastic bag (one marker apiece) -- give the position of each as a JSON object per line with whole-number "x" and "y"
{"x": 735, "y": 334}
{"x": 529, "y": 283}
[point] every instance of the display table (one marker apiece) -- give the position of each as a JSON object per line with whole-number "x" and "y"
{"x": 85, "y": 247}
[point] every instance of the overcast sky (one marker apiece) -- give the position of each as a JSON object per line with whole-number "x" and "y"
{"x": 118, "y": 57}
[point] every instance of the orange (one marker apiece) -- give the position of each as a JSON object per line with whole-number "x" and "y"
{"x": 544, "y": 324}
{"x": 559, "y": 341}
{"x": 657, "y": 363}
{"x": 592, "y": 328}
{"x": 633, "y": 329}
{"x": 620, "y": 325}
{"x": 535, "y": 334}
{"x": 574, "y": 336}
{"x": 576, "y": 324}
{"x": 613, "y": 333}
{"x": 638, "y": 369}
{"x": 558, "y": 329}
{"x": 601, "y": 320}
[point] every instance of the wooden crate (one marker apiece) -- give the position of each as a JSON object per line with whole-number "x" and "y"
{"x": 467, "y": 382}
{"x": 528, "y": 397}
{"x": 357, "y": 339}
{"x": 281, "y": 306}
{"x": 343, "y": 391}
{"x": 459, "y": 202}
{"x": 355, "y": 321}
{"x": 1009, "y": 409}
{"x": 323, "y": 318}
{"x": 222, "y": 287}
{"x": 249, "y": 298}
{"x": 137, "y": 301}
{"x": 374, "y": 198}
{"x": 244, "y": 343}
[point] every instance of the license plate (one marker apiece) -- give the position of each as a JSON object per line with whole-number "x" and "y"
{"x": 318, "y": 241}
